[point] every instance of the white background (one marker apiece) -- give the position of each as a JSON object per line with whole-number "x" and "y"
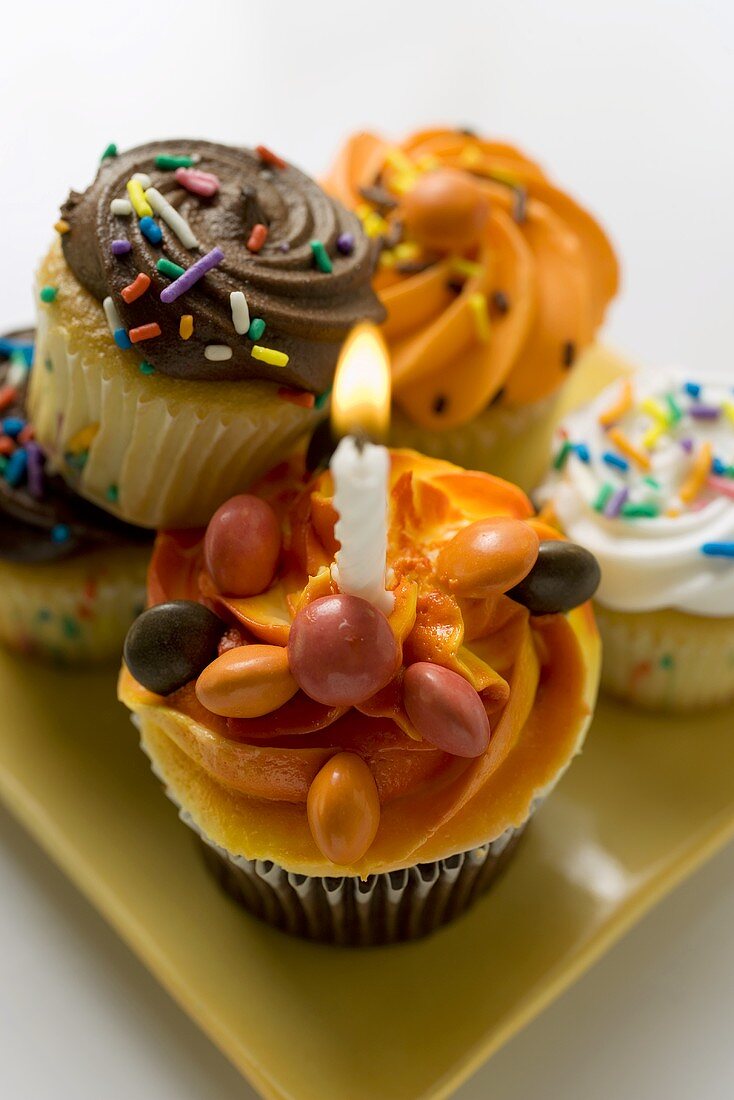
{"x": 631, "y": 106}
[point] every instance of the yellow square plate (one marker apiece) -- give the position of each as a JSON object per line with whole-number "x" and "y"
{"x": 648, "y": 801}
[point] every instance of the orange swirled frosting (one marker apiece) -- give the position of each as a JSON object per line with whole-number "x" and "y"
{"x": 246, "y": 781}
{"x": 493, "y": 279}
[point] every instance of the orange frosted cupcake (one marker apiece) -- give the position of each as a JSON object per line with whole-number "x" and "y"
{"x": 359, "y": 777}
{"x": 495, "y": 283}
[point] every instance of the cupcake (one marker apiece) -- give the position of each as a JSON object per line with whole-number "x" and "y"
{"x": 72, "y": 578}
{"x": 191, "y": 312}
{"x": 644, "y": 477}
{"x": 495, "y": 283}
{"x": 356, "y": 776}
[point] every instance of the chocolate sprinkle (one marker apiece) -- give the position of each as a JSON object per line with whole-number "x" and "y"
{"x": 440, "y": 404}
{"x": 378, "y": 196}
{"x": 520, "y": 205}
{"x": 568, "y": 354}
{"x": 500, "y": 302}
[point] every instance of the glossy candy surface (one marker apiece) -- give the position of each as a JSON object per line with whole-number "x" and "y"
{"x": 341, "y": 650}
{"x": 247, "y": 682}
{"x": 343, "y": 808}
{"x": 564, "y": 576}
{"x": 242, "y": 546}
{"x": 445, "y": 709}
{"x": 446, "y": 210}
{"x": 171, "y": 643}
{"x": 488, "y": 557}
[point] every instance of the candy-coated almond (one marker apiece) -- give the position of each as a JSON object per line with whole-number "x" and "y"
{"x": 343, "y": 809}
{"x": 445, "y": 709}
{"x": 446, "y": 210}
{"x": 247, "y": 682}
{"x": 488, "y": 557}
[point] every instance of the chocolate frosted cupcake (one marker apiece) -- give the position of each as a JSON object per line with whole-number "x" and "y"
{"x": 192, "y": 316}
{"x": 495, "y": 282}
{"x": 361, "y": 777}
{"x": 72, "y": 577}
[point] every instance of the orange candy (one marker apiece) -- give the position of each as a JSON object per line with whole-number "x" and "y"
{"x": 343, "y": 809}
{"x": 488, "y": 557}
{"x": 446, "y": 211}
{"x": 247, "y": 682}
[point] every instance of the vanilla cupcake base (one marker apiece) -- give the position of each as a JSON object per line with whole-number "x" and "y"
{"x": 667, "y": 660}
{"x": 510, "y": 443}
{"x": 76, "y": 611}
{"x": 153, "y": 450}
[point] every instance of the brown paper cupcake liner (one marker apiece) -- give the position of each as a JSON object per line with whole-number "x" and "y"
{"x": 382, "y": 909}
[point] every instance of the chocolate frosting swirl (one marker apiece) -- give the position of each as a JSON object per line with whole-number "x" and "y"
{"x": 307, "y": 312}
{"x": 27, "y": 520}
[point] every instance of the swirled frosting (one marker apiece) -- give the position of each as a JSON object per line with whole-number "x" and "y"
{"x": 493, "y": 279}
{"x": 305, "y": 273}
{"x": 41, "y": 519}
{"x": 246, "y": 781}
{"x": 644, "y": 478}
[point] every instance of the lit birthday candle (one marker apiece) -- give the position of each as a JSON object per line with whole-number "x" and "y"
{"x": 361, "y": 468}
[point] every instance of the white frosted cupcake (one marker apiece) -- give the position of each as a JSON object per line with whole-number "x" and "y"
{"x": 644, "y": 478}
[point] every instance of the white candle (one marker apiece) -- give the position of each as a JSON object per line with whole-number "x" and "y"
{"x": 361, "y": 476}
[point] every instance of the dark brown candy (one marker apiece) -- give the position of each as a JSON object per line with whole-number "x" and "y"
{"x": 171, "y": 643}
{"x": 564, "y": 576}
{"x": 321, "y": 447}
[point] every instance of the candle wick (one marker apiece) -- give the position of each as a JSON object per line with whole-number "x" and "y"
{"x": 361, "y": 439}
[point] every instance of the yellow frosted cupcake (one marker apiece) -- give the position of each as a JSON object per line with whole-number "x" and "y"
{"x": 190, "y": 316}
{"x": 494, "y": 281}
{"x": 358, "y": 776}
{"x": 644, "y": 477}
{"x": 72, "y": 578}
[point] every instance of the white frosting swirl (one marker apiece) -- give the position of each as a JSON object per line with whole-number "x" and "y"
{"x": 657, "y": 560}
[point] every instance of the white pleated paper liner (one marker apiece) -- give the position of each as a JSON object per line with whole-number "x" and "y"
{"x": 667, "y": 660}
{"x": 164, "y": 452}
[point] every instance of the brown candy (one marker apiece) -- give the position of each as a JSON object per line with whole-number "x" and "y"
{"x": 247, "y": 682}
{"x": 488, "y": 557}
{"x": 446, "y": 211}
{"x": 445, "y": 709}
{"x": 343, "y": 809}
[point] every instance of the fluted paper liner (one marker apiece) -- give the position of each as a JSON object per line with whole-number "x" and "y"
{"x": 76, "y": 611}
{"x": 387, "y": 908}
{"x": 667, "y": 660}
{"x": 167, "y": 452}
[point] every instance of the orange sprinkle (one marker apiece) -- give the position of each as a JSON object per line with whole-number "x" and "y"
{"x": 622, "y": 405}
{"x": 144, "y": 332}
{"x": 624, "y": 444}
{"x": 136, "y": 288}
{"x": 267, "y": 156}
{"x": 257, "y": 237}
{"x": 186, "y": 326}
{"x": 697, "y": 475}
{"x": 7, "y": 446}
{"x": 62, "y": 227}
{"x": 8, "y": 395}
{"x": 297, "y": 397}
{"x": 25, "y": 435}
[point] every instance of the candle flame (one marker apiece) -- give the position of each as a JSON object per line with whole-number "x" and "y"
{"x": 360, "y": 400}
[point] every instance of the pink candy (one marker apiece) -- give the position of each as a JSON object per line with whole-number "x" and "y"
{"x": 201, "y": 183}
